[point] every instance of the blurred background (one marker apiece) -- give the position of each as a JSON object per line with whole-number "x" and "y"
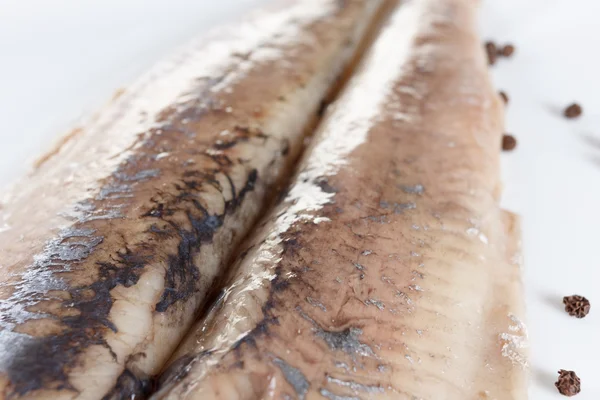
{"x": 61, "y": 60}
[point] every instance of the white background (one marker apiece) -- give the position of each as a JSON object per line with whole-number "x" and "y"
{"x": 63, "y": 59}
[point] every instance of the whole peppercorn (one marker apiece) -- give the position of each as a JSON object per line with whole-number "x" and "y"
{"x": 492, "y": 51}
{"x": 576, "y": 306}
{"x": 507, "y": 51}
{"x": 568, "y": 383}
{"x": 508, "y": 142}
{"x": 573, "y": 111}
{"x": 504, "y": 97}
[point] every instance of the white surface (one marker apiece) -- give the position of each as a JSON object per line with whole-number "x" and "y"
{"x": 61, "y": 59}
{"x": 553, "y": 178}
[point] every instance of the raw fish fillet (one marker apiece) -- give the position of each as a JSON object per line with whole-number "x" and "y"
{"x": 389, "y": 271}
{"x": 109, "y": 248}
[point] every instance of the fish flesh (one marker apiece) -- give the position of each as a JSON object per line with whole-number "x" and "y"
{"x": 111, "y": 245}
{"x": 389, "y": 270}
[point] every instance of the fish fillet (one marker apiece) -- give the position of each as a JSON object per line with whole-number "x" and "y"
{"x": 109, "y": 248}
{"x": 389, "y": 271}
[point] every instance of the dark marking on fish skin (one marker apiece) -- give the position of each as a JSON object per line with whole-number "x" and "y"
{"x": 244, "y": 253}
{"x": 46, "y": 362}
{"x": 41, "y": 366}
{"x": 400, "y": 208}
{"x": 355, "y": 386}
{"x": 414, "y": 189}
{"x": 324, "y": 185}
{"x": 223, "y": 145}
{"x": 231, "y": 185}
{"x": 345, "y": 340}
{"x": 114, "y": 192}
{"x": 129, "y": 386}
{"x": 158, "y": 211}
{"x": 164, "y": 232}
{"x": 294, "y": 377}
{"x": 179, "y": 369}
{"x": 332, "y": 396}
{"x": 247, "y": 340}
{"x": 248, "y": 131}
{"x": 221, "y": 159}
{"x": 278, "y": 284}
{"x": 282, "y": 194}
{"x": 285, "y": 150}
{"x": 138, "y": 176}
{"x": 41, "y": 362}
{"x": 261, "y": 329}
{"x": 322, "y": 107}
{"x": 380, "y": 219}
{"x": 239, "y": 134}
{"x": 182, "y": 275}
{"x": 291, "y": 246}
{"x": 232, "y": 204}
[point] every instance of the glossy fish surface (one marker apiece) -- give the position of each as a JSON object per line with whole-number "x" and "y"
{"x": 389, "y": 270}
{"x": 109, "y": 248}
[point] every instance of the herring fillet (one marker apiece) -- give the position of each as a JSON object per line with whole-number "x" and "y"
{"x": 109, "y": 248}
{"x": 389, "y": 271}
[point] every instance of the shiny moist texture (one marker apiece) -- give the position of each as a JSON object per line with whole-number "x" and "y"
{"x": 109, "y": 248}
{"x": 389, "y": 271}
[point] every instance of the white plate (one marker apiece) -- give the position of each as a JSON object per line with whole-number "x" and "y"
{"x": 61, "y": 59}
